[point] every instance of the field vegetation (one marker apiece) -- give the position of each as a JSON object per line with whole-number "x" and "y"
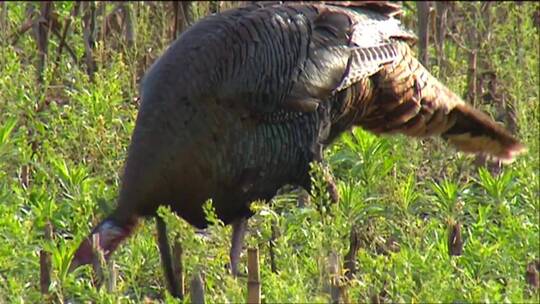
{"x": 420, "y": 222}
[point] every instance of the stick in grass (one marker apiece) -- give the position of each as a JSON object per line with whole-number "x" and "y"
{"x": 197, "y": 289}
{"x": 254, "y": 283}
{"x": 178, "y": 267}
{"x": 455, "y": 244}
{"x": 98, "y": 261}
{"x": 45, "y": 262}
{"x": 333, "y": 273}
{"x": 350, "y": 257}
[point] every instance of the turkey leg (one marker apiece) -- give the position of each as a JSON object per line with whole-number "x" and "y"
{"x": 173, "y": 283}
{"x": 237, "y": 242}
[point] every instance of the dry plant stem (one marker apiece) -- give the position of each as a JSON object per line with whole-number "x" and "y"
{"x": 180, "y": 22}
{"x": 130, "y": 28}
{"x": 89, "y": 22}
{"x": 113, "y": 273}
{"x": 532, "y": 276}
{"x": 455, "y": 244}
{"x": 45, "y": 262}
{"x": 350, "y": 258}
{"x": 273, "y": 237}
{"x": 68, "y": 48}
{"x": 333, "y": 274}
{"x": 31, "y": 14}
{"x": 64, "y": 34}
{"x": 188, "y": 12}
{"x": 45, "y": 271}
{"x": 41, "y": 31}
{"x": 442, "y": 13}
{"x": 197, "y": 289}
{"x": 178, "y": 267}
{"x": 423, "y": 31}
{"x": 254, "y": 283}
{"x": 472, "y": 90}
{"x": 3, "y": 17}
{"x": 98, "y": 262}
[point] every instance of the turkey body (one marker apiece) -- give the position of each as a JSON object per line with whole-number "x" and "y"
{"x": 211, "y": 124}
{"x": 216, "y": 155}
{"x": 243, "y": 101}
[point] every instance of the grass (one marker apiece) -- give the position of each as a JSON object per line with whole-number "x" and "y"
{"x": 62, "y": 147}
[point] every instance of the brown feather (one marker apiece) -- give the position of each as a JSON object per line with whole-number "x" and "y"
{"x": 409, "y": 100}
{"x": 386, "y": 8}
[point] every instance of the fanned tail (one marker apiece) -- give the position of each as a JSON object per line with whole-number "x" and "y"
{"x": 410, "y": 101}
{"x": 475, "y": 132}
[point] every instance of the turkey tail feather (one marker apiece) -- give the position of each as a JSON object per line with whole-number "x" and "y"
{"x": 409, "y": 100}
{"x": 475, "y": 132}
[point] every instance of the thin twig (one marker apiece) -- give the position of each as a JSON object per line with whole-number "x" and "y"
{"x": 27, "y": 25}
{"x": 130, "y": 29}
{"x": 74, "y": 14}
{"x": 68, "y": 48}
{"x": 423, "y": 31}
{"x": 458, "y": 42}
{"x": 89, "y": 21}
{"x": 272, "y": 241}
{"x": 42, "y": 27}
{"x": 440, "y": 33}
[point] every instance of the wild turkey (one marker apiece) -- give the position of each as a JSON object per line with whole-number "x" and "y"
{"x": 243, "y": 101}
